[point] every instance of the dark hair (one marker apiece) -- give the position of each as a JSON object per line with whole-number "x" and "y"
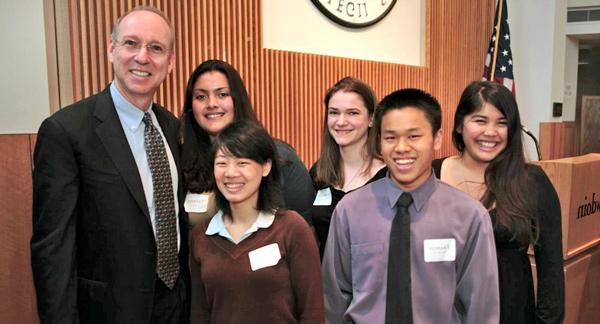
{"x": 329, "y": 164}
{"x": 400, "y": 99}
{"x": 196, "y": 165}
{"x": 115, "y": 31}
{"x": 247, "y": 139}
{"x": 507, "y": 176}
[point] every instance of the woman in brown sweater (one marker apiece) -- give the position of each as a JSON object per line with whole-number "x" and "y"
{"x": 258, "y": 263}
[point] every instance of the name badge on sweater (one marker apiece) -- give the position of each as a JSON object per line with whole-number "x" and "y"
{"x": 323, "y": 197}
{"x": 196, "y": 203}
{"x": 438, "y": 250}
{"x": 266, "y": 256}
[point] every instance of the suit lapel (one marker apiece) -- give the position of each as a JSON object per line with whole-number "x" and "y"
{"x": 111, "y": 134}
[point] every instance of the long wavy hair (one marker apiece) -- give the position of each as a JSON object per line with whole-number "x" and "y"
{"x": 329, "y": 166}
{"x": 247, "y": 139}
{"x": 196, "y": 146}
{"x": 506, "y": 177}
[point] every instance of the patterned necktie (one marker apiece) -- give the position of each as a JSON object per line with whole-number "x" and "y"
{"x": 166, "y": 220}
{"x": 399, "y": 298}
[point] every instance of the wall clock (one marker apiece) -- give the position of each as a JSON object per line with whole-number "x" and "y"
{"x": 355, "y": 14}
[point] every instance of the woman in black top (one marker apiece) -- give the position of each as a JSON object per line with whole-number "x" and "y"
{"x": 214, "y": 98}
{"x": 523, "y": 204}
{"x": 347, "y": 160}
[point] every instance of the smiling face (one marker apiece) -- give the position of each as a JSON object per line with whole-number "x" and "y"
{"x": 212, "y": 103}
{"x": 485, "y": 134}
{"x": 138, "y": 73}
{"x": 238, "y": 179}
{"x": 348, "y": 119}
{"x": 408, "y": 145}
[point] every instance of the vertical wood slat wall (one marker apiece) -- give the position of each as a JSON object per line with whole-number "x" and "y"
{"x": 286, "y": 88}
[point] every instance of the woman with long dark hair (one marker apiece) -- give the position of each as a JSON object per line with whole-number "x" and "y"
{"x": 347, "y": 160}
{"x": 258, "y": 262}
{"x": 523, "y": 204}
{"x": 215, "y": 97}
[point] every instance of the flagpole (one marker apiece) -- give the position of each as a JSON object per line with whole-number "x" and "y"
{"x": 499, "y": 22}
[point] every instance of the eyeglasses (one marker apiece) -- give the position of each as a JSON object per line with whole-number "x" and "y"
{"x": 134, "y": 47}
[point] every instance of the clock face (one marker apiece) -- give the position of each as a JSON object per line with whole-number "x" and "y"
{"x": 355, "y": 14}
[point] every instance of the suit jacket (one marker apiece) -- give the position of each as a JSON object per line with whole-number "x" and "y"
{"x": 93, "y": 251}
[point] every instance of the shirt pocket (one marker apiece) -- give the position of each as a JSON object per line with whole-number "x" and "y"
{"x": 368, "y": 266}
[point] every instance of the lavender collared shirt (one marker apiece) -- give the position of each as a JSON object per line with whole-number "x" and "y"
{"x": 460, "y": 287}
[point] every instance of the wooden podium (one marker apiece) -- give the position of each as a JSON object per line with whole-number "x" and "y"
{"x": 577, "y": 182}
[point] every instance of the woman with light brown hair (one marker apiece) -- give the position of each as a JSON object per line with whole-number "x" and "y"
{"x": 347, "y": 161}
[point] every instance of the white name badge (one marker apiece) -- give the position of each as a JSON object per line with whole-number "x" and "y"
{"x": 438, "y": 250}
{"x": 323, "y": 197}
{"x": 196, "y": 203}
{"x": 266, "y": 256}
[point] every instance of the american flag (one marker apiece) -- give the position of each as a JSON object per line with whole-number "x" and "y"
{"x": 498, "y": 61}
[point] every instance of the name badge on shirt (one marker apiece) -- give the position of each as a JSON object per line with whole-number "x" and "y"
{"x": 438, "y": 250}
{"x": 266, "y": 256}
{"x": 196, "y": 203}
{"x": 323, "y": 197}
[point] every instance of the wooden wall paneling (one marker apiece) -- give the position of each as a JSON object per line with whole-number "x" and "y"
{"x": 275, "y": 83}
{"x": 178, "y": 76}
{"x": 18, "y": 303}
{"x": 50, "y": 26}
{"x": 191, "y": 37}
{"x": 277, "y": 105}
{"x": 94, "y": 28}
{"x": 557, "y": 140}
{"x": 88, "y": 73}
{"x": 546, "y": 139}
{"x": 32, "y": 141}
{"x": 75, "y": 50}
{"x": 105, "y": 19}
{"x": 286, "y": 88}
{"x": 570, "y": 139}
{"x": 283, "y": 107}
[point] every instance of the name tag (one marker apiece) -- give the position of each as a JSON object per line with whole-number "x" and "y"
{"x": 266, "y": 256}
{"x": 438, "y": 250}
{"x": 196, "y": 203}
{"x": 323, "y": 197}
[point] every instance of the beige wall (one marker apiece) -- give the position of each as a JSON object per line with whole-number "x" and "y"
{"x": 299, "y": 26}
{"x": 24, "y": 96}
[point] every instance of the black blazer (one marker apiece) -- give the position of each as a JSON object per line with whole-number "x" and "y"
{"x": 93, "y": 251}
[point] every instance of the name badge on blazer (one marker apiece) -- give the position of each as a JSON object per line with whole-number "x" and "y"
{"x": 196, "y": 203}
{"x": 266, "y": 256}
{"x": 323, "y": 197}
{"x": 439, "y": 250}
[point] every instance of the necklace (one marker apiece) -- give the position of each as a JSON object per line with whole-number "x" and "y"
{"x": 474, "y": 188}
{"x": 347, "y": 184}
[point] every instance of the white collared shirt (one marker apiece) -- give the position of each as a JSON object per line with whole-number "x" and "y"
{"x": 217, "y": 226}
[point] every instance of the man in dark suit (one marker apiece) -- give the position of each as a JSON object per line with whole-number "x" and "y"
{"x": 109, "y": 238}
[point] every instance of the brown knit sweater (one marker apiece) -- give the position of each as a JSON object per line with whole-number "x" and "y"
{"x": 288, "y": 292}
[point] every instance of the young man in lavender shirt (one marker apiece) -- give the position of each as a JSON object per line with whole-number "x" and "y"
{"x": 453, "y": 272}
